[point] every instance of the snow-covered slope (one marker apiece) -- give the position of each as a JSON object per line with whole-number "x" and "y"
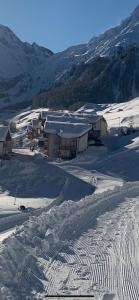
{"x": 122, "y": 114}
{"x": 86, "y": 241}
{"x": 23, "y": 68}
{"x": 16, "y": 57}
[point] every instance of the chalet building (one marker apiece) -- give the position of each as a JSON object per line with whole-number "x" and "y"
{"x": 65, "y": 140}
{"x": 99, "y": 127}
{"x": 5, "y": 141}
{"x": 98, "y": 122}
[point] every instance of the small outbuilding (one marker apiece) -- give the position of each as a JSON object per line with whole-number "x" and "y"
{"x": 5, "y": 141}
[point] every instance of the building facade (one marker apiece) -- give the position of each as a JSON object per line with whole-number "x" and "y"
{"x": 65, "y": 140}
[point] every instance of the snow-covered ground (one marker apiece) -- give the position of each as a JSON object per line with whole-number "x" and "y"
{"x": 80, "y": 234}
{"x": 122, "y": 114}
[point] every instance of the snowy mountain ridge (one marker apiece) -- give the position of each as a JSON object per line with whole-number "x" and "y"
{"x": 122, "y": 35}
{"x": 22, "y": 65}
{"x": 27, "y": 69}
{"x": 17, "y": 57}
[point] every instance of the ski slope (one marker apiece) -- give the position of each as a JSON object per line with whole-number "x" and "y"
{"x": 82, "y": 233}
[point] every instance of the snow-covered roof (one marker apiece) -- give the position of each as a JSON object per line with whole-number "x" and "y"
{"x": 80, "y": 116}
{"x": 90, "y": 117}
{"x": 45, "y": 113}
{"x": 88, "y": 111}
{"x": 87, "y": 108}
{"x": 3, "y": 133}
{"x": 66, "y": 130}
{"x": 67, "y": 118}
{"x": 76, "y": 118}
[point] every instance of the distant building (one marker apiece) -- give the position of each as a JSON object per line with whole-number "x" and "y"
{"x": 65, "y": 140}
{"x": 5, "y": 141}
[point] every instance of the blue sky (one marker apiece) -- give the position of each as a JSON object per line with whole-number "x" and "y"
{"x": 58, "y": 24}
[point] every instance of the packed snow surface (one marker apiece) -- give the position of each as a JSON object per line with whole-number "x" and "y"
{"x": 80, "y": 233}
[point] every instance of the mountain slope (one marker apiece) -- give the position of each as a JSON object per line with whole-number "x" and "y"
{"x": 22, "y": 66}
{"x": 27, "y": 70}
{"x": 103, "y": 80}
{"x": 113, "y": 81}
{"x": 111, "y": 41}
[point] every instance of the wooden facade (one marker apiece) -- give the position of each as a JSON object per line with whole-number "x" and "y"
{"x": 66, "y": 148}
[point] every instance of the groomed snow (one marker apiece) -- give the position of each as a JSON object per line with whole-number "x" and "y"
{"x": 82, "y": 247}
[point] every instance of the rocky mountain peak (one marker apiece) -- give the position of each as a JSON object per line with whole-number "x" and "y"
{"x": 135, "y": 12}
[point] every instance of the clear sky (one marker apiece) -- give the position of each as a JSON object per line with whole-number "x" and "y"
{"x": 58, "y": 24}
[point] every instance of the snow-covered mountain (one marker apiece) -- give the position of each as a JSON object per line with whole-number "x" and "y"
{"x": 26, "y": 69}
{"x": 17, "y": 57}
{"x": 106, "y": 44}
{"x": 118, "y": 77}
{"x": 21, "y": 67}
{"x": 111, "y": 41}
